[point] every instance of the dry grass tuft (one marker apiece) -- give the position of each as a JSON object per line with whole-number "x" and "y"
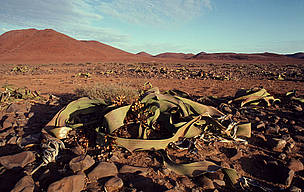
{"x": 109, "y": 92}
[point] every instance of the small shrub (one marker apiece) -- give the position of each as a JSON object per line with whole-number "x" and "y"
{"x": 20, "y": 69}
{"x": 83, "y": 75}
{"x": 109, "y": 92}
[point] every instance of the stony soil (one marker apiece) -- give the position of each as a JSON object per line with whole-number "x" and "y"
{"x": 272, "y": 160}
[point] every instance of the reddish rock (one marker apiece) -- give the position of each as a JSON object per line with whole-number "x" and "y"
{"x": 9, "y": 121}
{"x": 132, "y": 169}
{"x": 17, "y": 160}
{"x": 103, "y": 169}
{"x": 73, "y": 183}
{"x": 295, "y": 165}
{"x": 26, "y": 184}
{"x": 187, "y": 182}
{"x": 114, "y": 184}
{"x": 17, "y": 107}
{"x": 81, "y": 163}
{"x": 206, "y": 183}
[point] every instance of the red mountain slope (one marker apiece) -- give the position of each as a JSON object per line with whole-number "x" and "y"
{"x": 51, "y": 46}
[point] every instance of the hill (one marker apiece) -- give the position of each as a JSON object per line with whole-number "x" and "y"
{"x": 175, "y": 55}
{"x": 30, "y": 45}
{"x": 240, "y": 56}
{"x": 144, "y": 54}
{"x": 299, "y": 55}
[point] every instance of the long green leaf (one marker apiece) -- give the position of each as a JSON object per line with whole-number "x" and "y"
{"x": 75, "y": 108}
{"x": 200, "y": 108}
{"x": 115, "y": 118}
{"x": 61, "y": 132}
{"x": 192, "y": 169}
{"x": 141, "y": 144}
{"x": 244, "y": 130}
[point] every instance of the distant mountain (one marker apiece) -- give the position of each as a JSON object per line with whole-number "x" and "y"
{"x": 47, "y": 46}
{"x": 239, "y": 56}
{"x": 175, "y": 55}
{"x": 51, "y": 46}
{"x": 267, "y": 54}
{"x": 221, "y": 56}
{"x": 299, "y": 55}
{"x": 143, "y": 54}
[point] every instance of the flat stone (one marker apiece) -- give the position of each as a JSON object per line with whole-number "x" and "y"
{"x": 73, "y": 183}
{"x": 295, "y": 165}
{"x": 103, "y": 169}
{"x": 26, "y": 184}
{"x": 9, "y": 121}
{"x": 206, "y": 183}
{"x": 144, "y": 184}
{"x": 187, "y": 182}
{"x": 114, "y": 159}
{"x": 17, "y": 107}
{"x": 114, "y": 184}
{"x": 132, "y": 169}
{"x": 81, "y": 163}
{"x": 93, "y": 186}
{"x": 78, "y": 150}
{"x": 17, "y": 160}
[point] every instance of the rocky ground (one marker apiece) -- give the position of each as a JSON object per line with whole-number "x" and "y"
{"x": 270, "y": 160}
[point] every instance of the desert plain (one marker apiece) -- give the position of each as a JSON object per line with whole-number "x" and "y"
{"x": 58, "y": 69}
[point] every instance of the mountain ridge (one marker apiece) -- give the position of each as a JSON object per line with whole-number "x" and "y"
{"x": 48, "y": 45}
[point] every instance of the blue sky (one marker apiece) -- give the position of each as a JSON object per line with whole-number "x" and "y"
{"x": 157, "y": 26}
